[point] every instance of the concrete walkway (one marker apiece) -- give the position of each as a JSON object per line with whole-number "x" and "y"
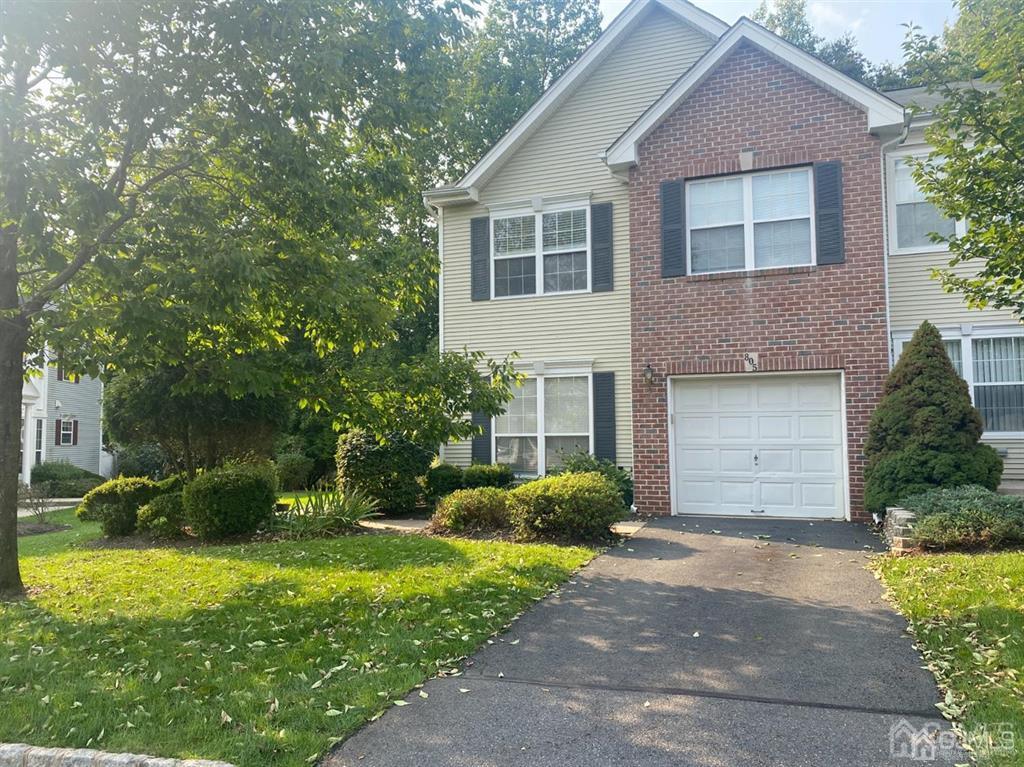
{"x": 693, "y": 643}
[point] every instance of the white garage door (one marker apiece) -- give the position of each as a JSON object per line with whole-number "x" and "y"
{"x": 759, "y": 446}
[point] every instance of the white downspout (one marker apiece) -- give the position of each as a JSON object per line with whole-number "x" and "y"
{"x": 885, "y": 231}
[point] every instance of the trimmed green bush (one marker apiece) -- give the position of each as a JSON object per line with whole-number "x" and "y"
{"x": 440, "y": 480}
{"x": 583, "y": 462}
{"x": 144, "y": 460}
{"x": 966, "y": 517}
{"x": 478, "y": 508}
{"x": 488, "y": 475}
{"x": 576, "y": 507}
{"x": 293, "y": 471}
{"x": 236, "y": 499}
{"x": 164, "y": 516}
{"x": 925, "y": 432}
{"x": 388, "y": 471}
{"x": 172, "y": 484}
{"x": 115, "y": 504}
{"x": 60, "y": 479}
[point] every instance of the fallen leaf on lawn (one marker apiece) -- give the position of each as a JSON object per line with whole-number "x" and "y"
{"x": 225, "y": 718}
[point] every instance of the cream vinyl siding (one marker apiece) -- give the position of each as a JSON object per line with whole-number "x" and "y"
{"x": 561, "y": 158}
{"x": 915, "y": 297}
{"x": 1013, "y": 460}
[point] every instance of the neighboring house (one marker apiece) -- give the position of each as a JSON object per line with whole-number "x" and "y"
{"x": 62, "y": 421}
{"x": 704, "y": 247}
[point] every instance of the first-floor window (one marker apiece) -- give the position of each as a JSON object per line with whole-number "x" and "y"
{"x": 548, "y": 419}
{"x": 39, "y": 441}
{"x": 993, "y": 367}
{"x": 999, "y": 382}
{"x": 67, "y": 432}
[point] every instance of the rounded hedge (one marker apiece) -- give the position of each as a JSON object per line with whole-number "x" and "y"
{"x": 115, "y": 504}
{"x": 164, "y": 516}
{"x": 440, "y": 480}
{"x": 387, "y": 471}
{"x": 478, "y": 508}
{"x": 582, "y": 462}
{"x": 60, "y": 479}
{"x": 293, "y": 471}
{"x": 579, "y": 507}
{"x": 488, "y": 475}
{"x": 233, "y": 500}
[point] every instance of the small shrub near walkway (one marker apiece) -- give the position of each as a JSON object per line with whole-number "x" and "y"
{"x": 966, "y": 518}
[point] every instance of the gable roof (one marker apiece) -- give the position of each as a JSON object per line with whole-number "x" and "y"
{"x": 882, "y": 112}
{"x": 466, "y": 189}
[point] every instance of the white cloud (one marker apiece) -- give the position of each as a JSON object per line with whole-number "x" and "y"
{"x": 836, "y": 18}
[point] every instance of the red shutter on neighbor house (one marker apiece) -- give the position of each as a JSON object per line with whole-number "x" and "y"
{"x": 74, "y": 432}
{"x": 56, "y": 433}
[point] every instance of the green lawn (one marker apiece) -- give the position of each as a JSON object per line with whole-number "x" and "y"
{"x": 256, "y": 654}
{"x": 967, "y": 612}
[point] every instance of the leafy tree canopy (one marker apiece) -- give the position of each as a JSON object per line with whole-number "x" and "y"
{"x": 975, "y": 172}
{"x": 521, "y": 48}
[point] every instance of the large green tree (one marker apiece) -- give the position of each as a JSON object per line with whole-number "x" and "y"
{"x": 975, "y": 172}
{"x": 229, "y": 187}
{"x": 520, "y": 49}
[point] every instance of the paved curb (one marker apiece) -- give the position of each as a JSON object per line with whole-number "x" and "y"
{"x": 21, "y": 755}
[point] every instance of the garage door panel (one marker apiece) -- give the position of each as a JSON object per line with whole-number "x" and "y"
{"x": 735, "y": 397}
{"x": 766, "y": 445}
{"x": 777, "y": 460}
{"x": 732, "y": 460}
{"x": 699, "y": 459}
{"x": 775, "y": 427}
{"x": 735, "y": 427}
{"x": 815, "y": 427}
{"x": 698, "y": 428}
{"x": 818, "y": 461}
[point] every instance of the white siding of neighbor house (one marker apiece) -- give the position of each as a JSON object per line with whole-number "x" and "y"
{"x": 915, "y": 296}
{"x": 81, "y": 401}
{"x": 561, "y": 158}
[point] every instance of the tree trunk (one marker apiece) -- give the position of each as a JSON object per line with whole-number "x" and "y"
{"x": 13, "y": 337}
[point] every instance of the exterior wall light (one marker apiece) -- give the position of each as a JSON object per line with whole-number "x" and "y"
{"x": 648, "y": 374}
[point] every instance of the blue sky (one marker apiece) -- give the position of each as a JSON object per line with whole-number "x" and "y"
{"x": 877, "y": 24}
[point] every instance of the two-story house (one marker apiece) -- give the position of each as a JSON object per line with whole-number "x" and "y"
{"x": 62, "y": 421}
{"x": 706, "y": 248}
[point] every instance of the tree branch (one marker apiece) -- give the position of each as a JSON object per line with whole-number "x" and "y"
{"x": 88, "y": 250}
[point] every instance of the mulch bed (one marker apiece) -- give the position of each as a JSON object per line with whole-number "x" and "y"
{"x": 39, "y": 528}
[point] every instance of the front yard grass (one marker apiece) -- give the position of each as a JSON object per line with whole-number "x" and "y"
{"x": 257, "y": 654}
{"x": 967, "y": 612}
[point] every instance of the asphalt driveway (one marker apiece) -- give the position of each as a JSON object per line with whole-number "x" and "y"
{"x": 699, "y": 641}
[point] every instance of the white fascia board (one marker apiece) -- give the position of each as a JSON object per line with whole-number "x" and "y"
{"x": 882, "y": 112}
{"x": 565, "y": 85}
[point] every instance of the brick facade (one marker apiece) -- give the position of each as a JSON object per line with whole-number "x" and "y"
{"x": 801, "y": 318}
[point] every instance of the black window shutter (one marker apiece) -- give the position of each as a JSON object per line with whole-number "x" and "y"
{"x": 74, "y": 432}
{"x": 480, "y": 258}
{"x": 604, "y": 415}
{"x": 673, "y": 229}
{"x": 601, "y": 247}
{"x": 56, "y": 432}
{"x": 828, "y": 212}
{"x": 481, "y": 450}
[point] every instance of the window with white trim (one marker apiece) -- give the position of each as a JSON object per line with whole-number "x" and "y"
{"x": 751, "y": 221}
{"x": 67, "y": 433}
{"x": 993, "y": 367}
{"x": 912, "y": 217}
{"x": 558, "y": 261}
{"x": 548, "y": 418}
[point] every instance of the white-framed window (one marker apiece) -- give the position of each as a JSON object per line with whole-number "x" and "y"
{"x": 991, "y": 361}
{"x": 67, "y": 433}
{"x": 549, "y": 418}
{"x": 39, "y": 442}
{"x": 750, "y": 221}
{"x": 540, "y": 251}
{"x": 912, "y": 218}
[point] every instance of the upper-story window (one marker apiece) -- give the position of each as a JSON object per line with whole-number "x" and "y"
{"x": 541, "y": 252}
{"x": 912, "y": 219}
{"x": 750, "y": 221}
